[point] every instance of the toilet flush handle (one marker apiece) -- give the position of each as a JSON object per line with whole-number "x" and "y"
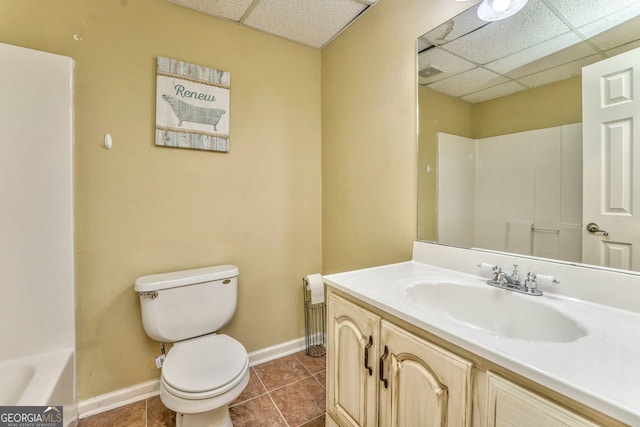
{"x": 152, "y": 295}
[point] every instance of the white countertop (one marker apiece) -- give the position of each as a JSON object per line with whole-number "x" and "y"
{"x": 600, "y": 369}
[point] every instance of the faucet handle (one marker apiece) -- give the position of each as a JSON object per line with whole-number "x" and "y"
{"x": 497, "y": 272}
{"x": 531, "y": 283}
{"x": 545, "y": 279}
{"x": 515, "y": 274}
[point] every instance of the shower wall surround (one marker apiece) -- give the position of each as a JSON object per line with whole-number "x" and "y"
{"x": 36, "y": 221}
{"x": 537, "y": 211}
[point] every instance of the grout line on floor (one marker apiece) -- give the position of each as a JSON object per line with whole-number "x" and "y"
{"x": 278, "y": 409}
{"x": 291, "y": 383}
{"x": 313, "y": 419}
{"x": 247, "y": 400}
{"x": 266, "y": 390}
{"x": 316, "y": 378}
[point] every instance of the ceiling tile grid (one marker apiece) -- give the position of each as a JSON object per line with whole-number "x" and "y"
{"x": 463, "y": 24}
{"x": 228, "y": 9}
{"x": 622, "y": 34}
{"x": 532, "y": 25}
{"x": 494, "y": 92}
{"x": 311, "y": 22}
{"x": 562, "y": 72}
{"x": 451, "y": 64}
{"x": 541, "y": 44}
{"x": 468, "y": 82}
{"x": 581, "y": 12}
{"x": 561, "y": 57}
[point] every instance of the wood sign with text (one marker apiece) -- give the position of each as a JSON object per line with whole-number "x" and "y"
{"x": 192, "y": 106}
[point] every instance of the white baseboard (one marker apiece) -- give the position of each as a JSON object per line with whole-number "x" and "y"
{"x": 118, "y": 398}
{"x": 115, "y": 399}
{"x": 275, "y": 351}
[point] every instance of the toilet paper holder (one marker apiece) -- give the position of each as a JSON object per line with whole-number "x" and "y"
{"x": 315, "y": 323}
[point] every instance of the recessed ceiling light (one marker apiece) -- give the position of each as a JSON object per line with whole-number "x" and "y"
{"x": 495, "y": 10}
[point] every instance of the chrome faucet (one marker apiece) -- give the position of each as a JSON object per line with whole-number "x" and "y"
{"x": 502, "y": 279}
{"x": 513, "y": 282}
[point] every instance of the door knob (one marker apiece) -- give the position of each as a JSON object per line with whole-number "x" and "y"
{"x": 592, "y": 227}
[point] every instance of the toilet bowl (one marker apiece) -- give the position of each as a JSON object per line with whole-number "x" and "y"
{"x": 204, "y": 371}
{"x": 204, "y": 375}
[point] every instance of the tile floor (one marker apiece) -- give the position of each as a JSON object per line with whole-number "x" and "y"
{"x": 287, "y": 392}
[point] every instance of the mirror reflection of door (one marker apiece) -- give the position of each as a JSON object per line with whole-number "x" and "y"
{"x": 611, "y": 138}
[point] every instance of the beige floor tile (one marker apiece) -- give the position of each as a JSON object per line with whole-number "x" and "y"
{"x": 301, "y": 401}
{"x": 257, "y": 412}
{"x": 132, "y": 415}
{"x": 316, "y": 422}
{"x": 322, "y": 378}
{"x": 313, "y": 364}
{"x": 159, "y": 415}
{"x": 280, "y": 372}
{"x": 253, "y": 389}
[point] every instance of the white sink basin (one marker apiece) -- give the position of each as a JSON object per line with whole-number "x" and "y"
{"x": 501, "y": 312}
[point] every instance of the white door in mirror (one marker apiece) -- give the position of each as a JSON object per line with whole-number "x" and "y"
{"x": 611, "y": 165}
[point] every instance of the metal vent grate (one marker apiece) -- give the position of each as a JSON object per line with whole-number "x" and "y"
{"x": 430, "y": 71}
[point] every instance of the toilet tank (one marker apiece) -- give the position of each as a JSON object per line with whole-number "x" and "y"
{"x": 185, "y": 304}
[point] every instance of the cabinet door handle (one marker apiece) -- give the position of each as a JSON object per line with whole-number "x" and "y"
{"x": 366, "y": 356}
{"x": 384, "y": 356}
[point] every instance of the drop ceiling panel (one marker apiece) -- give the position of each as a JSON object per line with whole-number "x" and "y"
{"x": 310, "y": 22}
{"x": 545, "y": 42}
{"x": 452, "y": 29}
{"x": 562, "y": 72}
{"x": 227, "y": 9}
{"x": 468, "y": 82}
{"x": 581, "y": 12}
{"x": 520, "y": 59}
{"x": 620, "y": 35}
{"x": 532, "y": 25}
{"x": 565, "y": 56}
{"x": 494, "y": 92}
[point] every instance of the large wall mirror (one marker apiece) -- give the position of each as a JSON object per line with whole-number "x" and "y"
{"x": 528, "y": 137}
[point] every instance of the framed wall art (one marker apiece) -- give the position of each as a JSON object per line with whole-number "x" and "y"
{"x": 192, "y": 106}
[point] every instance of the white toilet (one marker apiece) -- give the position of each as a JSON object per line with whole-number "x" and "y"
{"x": 203, "y": 372}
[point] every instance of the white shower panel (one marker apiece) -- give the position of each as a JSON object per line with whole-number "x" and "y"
{"x": 536, "y": 211}
{"x": 547, "y": 191}
{"x": 571, "y": 194}
{"x": 36, "y": 199}
{"x": 456, "y": 190}
{"x": 501, "y": 200}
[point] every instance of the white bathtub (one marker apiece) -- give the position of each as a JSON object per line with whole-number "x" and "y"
{"x": 45, "y": 379}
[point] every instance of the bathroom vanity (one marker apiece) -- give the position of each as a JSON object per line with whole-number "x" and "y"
{"x": 417, "y": 344}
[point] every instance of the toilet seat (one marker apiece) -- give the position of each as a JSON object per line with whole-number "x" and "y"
{"x": 204, "y": 367}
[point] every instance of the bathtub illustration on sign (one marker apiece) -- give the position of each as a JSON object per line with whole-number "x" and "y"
{"x": 192, "y": 106}
{"x": 194, "y": 114}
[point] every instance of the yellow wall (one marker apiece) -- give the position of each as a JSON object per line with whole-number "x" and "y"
{"x": 141, "y": 209}
{"x": 545, "y": 106}
{"x": 369, "y": 134}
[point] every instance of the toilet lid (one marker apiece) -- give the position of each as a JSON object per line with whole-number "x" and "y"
{"x": 205, "y": 363}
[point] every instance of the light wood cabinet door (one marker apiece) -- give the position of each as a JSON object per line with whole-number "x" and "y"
{"x": 421, "y": 384}
{"x": 509, "y": 405}
{"x": 352, "y": 350}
